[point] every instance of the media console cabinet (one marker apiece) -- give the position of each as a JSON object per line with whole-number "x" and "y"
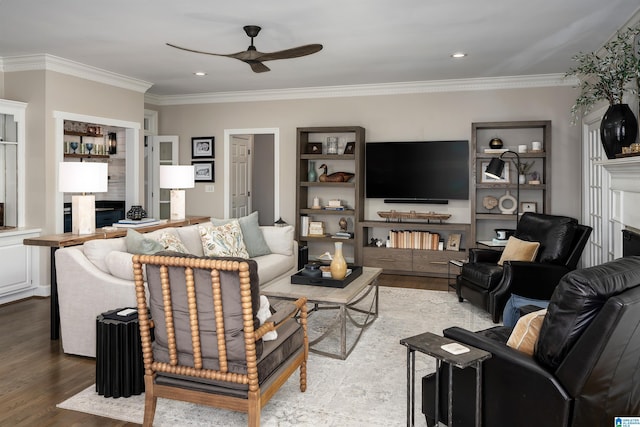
{"x": 417, "y": 262}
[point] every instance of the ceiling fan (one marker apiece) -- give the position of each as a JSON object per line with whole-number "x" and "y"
{"x": 255, "y": 58}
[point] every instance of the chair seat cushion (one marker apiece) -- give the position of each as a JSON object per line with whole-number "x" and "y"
{"x": 289, "y": 342}
{"x": 484, "y": 275}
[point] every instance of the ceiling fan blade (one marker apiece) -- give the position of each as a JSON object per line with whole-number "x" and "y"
{"x": 232, "y": 55}
{"x": 258, "y": 67}
{"x": 294, "y": 52}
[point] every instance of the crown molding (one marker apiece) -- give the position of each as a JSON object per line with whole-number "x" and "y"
{"x": 53, "y": 63}
{"x": 453, "y": 85}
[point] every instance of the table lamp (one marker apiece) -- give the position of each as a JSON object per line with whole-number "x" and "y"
{"x": 83, "y": 177}
{"x": 495, "y": 169}
{"x": 177, "y": 178}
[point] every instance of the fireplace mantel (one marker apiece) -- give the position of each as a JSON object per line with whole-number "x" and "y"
{"x": 624, "y": 186}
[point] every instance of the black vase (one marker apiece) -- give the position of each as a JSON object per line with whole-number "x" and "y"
{"x": 618, "y": 129}
{"x": 136, "y": 213}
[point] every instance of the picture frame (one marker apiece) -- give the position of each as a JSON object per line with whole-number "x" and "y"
{"x": 203, "y": 147}
{"x": 350, "y": 148}
{"x": 486, "y": 179}
{"x": 314, "y": 148}
{"x": 528, "y": 207}
{"x": 453, "y": 242}
{"x": 204, "y": 171}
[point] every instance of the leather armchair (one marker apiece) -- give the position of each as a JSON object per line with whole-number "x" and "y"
{"x": 488, "y": 285}
{"x": 584, "y": 371}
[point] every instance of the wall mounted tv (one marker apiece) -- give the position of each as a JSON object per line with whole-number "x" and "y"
{"x": 417, "y": 171}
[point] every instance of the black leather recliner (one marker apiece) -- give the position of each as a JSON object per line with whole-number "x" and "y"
{"x": 487, "y": 285}
{"x": 585, "y": 369}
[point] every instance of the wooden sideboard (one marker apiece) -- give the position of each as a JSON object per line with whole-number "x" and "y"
{"x": 57, "y": 241}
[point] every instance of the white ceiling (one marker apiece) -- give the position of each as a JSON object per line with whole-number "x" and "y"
{"x": 365, "y": 41}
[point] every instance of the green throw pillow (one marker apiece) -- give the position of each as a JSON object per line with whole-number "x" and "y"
{"x": 251, "y": 233}
{"x": 138, "y": 244}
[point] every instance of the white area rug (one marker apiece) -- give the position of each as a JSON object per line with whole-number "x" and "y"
{"x": 369, "y": 388}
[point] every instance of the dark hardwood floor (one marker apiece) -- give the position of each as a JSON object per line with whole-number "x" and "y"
{"x": 35, "y": 374}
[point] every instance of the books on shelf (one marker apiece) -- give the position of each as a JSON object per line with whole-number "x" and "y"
{"x": 414, "y": 239}
{"x": 316, "y": 228}
{"x": 495, "y": 150}
{"x": 145, "y": 222}
{"x": 136, "y": 221}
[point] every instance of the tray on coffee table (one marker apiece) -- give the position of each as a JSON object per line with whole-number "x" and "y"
{"x": 300, "y": 279}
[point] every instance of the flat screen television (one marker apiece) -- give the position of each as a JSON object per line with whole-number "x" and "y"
{"x": 417, "y": 171}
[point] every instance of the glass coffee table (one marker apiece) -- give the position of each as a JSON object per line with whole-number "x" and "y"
{"x": 329, "y": 298}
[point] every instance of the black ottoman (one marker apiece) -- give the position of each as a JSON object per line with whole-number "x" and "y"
{"x": 119, "y": 367}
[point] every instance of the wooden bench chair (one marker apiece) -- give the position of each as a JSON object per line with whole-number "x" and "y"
{"x": 207, "y": 344}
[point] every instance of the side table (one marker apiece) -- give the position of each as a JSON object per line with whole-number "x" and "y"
{"x": 431, "y": 344}
{"x": 119, "y": 366}
{"x": 457, "y": 263}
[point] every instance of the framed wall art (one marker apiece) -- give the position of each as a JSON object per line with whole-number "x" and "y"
{"x": 528, "y": 207}
{"x": 203, "y": 147}
{"x": 204, "y": 171}
{"x": 314, "y": 148}
{"x": 349, "y": 148}
{"x": 486, "y": 179}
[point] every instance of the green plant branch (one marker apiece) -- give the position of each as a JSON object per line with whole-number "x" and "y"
{"x": 606, "y": 74}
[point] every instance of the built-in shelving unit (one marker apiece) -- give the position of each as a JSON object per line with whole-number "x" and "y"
{"x": 312, "y": 152}
{"x": 536, "y": 197}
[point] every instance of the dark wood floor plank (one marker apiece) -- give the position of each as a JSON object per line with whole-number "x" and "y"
{"x": 35, "y": 374}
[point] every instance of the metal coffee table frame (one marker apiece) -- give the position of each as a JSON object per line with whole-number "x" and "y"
{"x": 342, "y": 299}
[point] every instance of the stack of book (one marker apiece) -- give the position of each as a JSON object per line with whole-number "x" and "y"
{"x": 342, "y": 235}
{"x": 414, "y": 239}
{"x": 133, "y": 223}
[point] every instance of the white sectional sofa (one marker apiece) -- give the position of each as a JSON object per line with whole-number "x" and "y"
{"x": 98, "y": 276}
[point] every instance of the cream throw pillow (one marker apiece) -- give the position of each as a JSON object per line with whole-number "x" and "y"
{"x": 519, "y": 250}
{"x": 223, "y": 240}
{"x": 525, "y": 334}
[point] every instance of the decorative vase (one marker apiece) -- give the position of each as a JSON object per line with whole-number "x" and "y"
{"x": 522, "y": 179}
{"x": 618, "y": 129}
{"x": 338, "y": 265}
{"x": 312, "y": 176}
{"x": 136, "y": 213}
{"x": 495, "y": 143}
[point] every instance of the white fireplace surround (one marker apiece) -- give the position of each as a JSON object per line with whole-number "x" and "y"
{"x": 624, "y": 187}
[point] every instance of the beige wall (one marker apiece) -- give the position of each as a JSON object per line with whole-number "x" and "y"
{"x": 386, "y": 118}
{"x": 46, "y": 92}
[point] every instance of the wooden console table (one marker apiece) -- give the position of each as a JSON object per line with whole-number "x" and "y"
{"x": 57, "y": 241}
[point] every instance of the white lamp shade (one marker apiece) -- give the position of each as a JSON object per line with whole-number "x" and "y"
{"x": 177, "y": 176}
{"x": 83, "y": 177}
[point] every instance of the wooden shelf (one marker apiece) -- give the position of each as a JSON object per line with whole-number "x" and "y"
{"x": 93, "y": 135}
{"x": 86, "y": 156}
{"x": 345, "y": 212}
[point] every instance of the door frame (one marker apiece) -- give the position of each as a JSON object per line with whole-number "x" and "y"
{"x": 276, "y": 165}
{"x": 132, "y": 166}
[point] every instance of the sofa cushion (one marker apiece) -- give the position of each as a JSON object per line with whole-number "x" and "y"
{"x": 137, "y": 243}
{"x": 233, "y": 322}
{"x": 519, "y": 250}
{"x": 555, "y": 234}
{"x": 525, "y": 334}
{"x": 172, "y": 242}
{"x": 279, "y": 239}
{"x": 97, "y": 250}
{"x": 577, "y": 301}
{"x": 190, "y": 236}
{"x": 251, "y": 234}
{"x": 120, "y": 264}
{"x": 273, "y": 266}
{"x": 223, "y": 240}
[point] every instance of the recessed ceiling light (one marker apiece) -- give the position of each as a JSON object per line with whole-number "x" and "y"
{"x": 458, "y": 55}
{"x": 200, "y": 73}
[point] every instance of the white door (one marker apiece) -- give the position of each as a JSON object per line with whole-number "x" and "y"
{"x": 240, "y": 175}
{"x": 596, "y": 209}
{"x": 159, "y": 150}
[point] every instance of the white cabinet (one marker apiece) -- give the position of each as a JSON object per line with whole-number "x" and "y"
{"x": 18, "y": 264}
